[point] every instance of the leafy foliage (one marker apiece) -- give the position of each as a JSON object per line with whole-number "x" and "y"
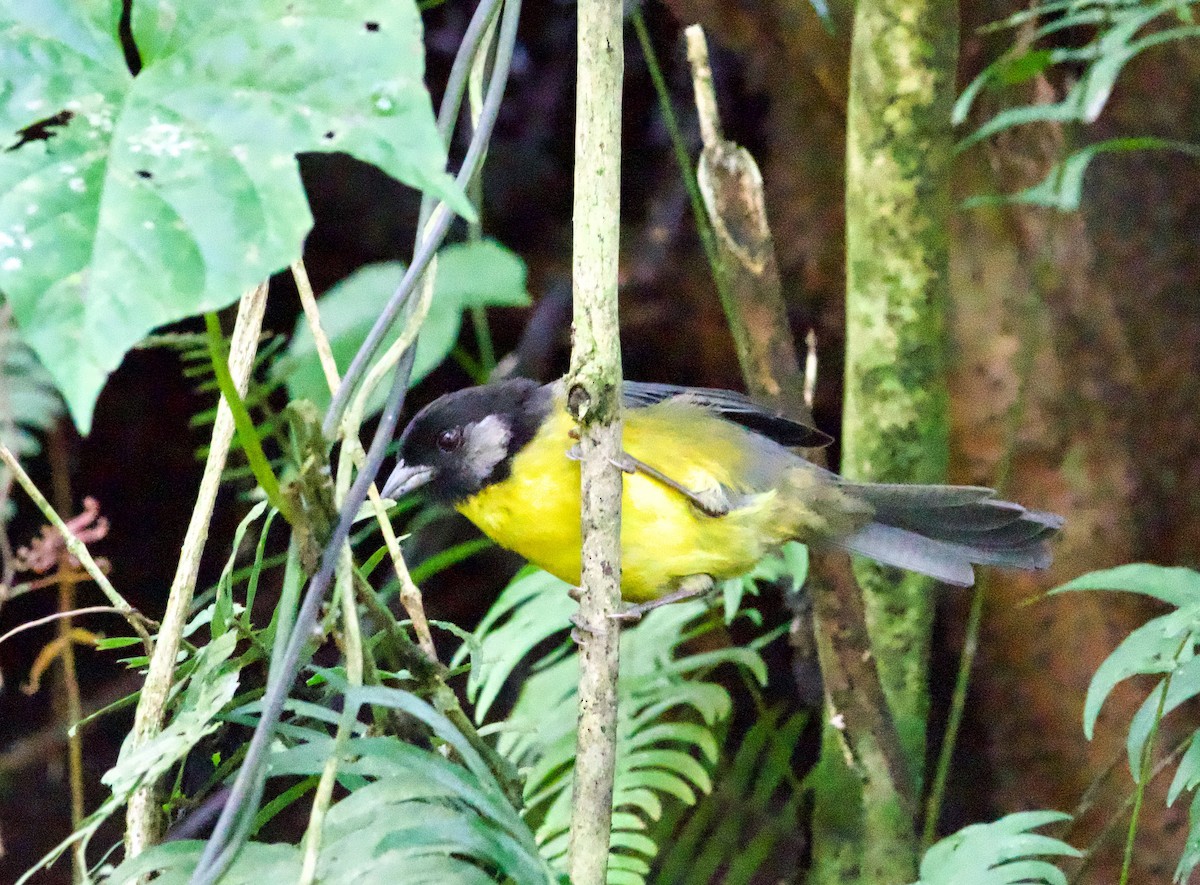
{"x": 1004, "y": 852}
{"x": 128, "y": 202}
{"x": 667, "y": 730}
{"x": 207, "y": 690}
{"x": 412, "y": 815}
{"x": 1116, "y": 32}
{"x": 1165, "y": 646}
{"x": 204, "y": 695}
{"x": 478, "y": 274}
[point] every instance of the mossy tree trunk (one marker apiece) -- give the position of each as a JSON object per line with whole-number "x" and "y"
{"x": 899, "y": 148}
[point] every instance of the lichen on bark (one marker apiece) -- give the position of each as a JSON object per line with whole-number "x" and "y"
{"x": 899, "y": 148}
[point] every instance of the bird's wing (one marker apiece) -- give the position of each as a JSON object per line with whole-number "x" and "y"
{"x": 735, "y": 407}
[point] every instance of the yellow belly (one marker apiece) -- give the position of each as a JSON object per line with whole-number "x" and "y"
{"x": 664, "y": 537}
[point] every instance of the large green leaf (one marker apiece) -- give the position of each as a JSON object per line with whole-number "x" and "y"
{"x": 1173, "y": 585}
{"x": 480, "y": 274}
{"x": 140, "y": 200}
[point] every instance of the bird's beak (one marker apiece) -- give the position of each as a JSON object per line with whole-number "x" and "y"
{"x": 404, "y": 479}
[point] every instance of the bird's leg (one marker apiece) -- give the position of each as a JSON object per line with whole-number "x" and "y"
{"x": 577, "y": 626}
{"x": 689, "y": 588}
{"x": 711, "y": 502}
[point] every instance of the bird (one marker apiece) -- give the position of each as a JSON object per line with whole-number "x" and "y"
{"x": 713, "y": 482}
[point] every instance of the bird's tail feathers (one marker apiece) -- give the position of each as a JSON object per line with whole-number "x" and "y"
{"x": 942, "y": 531}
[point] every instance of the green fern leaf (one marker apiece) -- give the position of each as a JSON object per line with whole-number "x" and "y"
{"x": 668, "y": 720}
{"x": 29, "y": 404}
{"x": 752, "y": 813}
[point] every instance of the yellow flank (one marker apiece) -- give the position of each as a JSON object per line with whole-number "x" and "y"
{"x": 664, "y": 537}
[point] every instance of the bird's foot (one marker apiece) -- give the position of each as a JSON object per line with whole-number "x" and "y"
{"x": 690, "y": 587}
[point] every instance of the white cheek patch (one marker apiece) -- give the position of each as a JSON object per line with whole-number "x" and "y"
{"x": 485, "y": 444}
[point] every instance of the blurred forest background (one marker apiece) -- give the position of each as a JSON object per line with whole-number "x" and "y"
{"x": 1075, "y": 376}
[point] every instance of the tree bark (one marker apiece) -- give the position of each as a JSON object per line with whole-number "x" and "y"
{"x": 594, "y": 397}
{"x": 895, "y": 427}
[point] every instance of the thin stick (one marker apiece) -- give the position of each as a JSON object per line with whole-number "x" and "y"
{"x": 933, "y": 804}
{"x": 410, "y": 596}
{"x": 59, "y": 616}
{"x": 958, "y": 703}
{"x": 476, "y": 83}
{"x": 312, "y": 314}
{"x": 437, "y": 222}
{"x": 810, "y": 369}
{"x": 60, "y": 473}
{"x": 344, "y": 590}
{"x": 354, "y": 678}
{"x": 79, "y": 550}
{"x": 143, "y": 816}
{"x": 748, "y": 280}
{"x": 594, "y": 385}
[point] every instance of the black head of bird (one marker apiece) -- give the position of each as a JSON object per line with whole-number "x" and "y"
{"x": 464, "y": 441}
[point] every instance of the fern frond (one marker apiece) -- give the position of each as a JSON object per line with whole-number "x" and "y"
{"x": 1166, "y": 645}
{"x": 264, "y": 384}
{"x": 669, "y": 721}
{"x": 753, "y": 811}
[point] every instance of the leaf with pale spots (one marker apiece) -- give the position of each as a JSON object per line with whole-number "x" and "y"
{"x": 128, "y": 202}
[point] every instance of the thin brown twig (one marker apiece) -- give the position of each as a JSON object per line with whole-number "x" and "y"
{"x": 51, "y": 580}
{"x": 143, "y": 816}
{"x": 59, "y": 616}
{"x": 72, "y": 704}
{"x": 732, "y": 189}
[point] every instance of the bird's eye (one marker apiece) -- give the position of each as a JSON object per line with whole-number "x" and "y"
{"x": 449, "y": 440}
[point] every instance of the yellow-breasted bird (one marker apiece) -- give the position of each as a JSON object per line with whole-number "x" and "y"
{"x": 711, "y": 486}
